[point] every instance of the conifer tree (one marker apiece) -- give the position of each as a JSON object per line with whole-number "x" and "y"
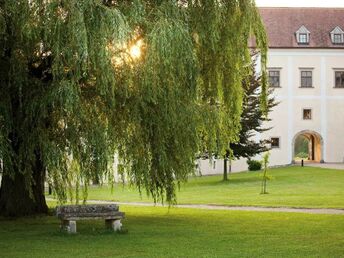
{"x": 252, "y": 121}
{"x": 82, "y": 80}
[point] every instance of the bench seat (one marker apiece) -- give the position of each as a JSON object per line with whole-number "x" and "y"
{"x": 69, "y": 214}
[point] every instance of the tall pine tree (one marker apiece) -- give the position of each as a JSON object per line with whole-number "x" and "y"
{"x": 73, "y": 91}
{"x": 252, "y": 120}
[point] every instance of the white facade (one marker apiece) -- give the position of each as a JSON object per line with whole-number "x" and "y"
{"x": 306, "y": 55}
{"x": 215, "y": 167}
{"x": 325, "y": 101}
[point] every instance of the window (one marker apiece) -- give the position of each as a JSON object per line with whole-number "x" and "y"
{"x": 306, "y": 79}
{"x": 275, "y": 142}
{"x": 337, "y": 35}
{"x": 337, "y": 38}
{"x": 339, "y": 79}
{"x": 302, "y": 35}
{"x": 303, "y": 38}
{"x": 307, "y": 114}
{"x": 274, "y": 78}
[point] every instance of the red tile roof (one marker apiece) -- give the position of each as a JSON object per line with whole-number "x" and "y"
{"x": 282, "y": 23}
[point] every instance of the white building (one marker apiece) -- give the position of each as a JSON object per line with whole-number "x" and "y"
{"x": 306, "y": 69}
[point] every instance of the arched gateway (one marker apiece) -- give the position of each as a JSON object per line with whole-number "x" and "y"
{"x": 315, "y": 145}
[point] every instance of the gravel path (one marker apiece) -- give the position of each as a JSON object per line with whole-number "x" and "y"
{"x": 232, "y": 208}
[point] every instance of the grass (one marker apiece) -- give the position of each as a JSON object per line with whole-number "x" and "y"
{"x": 177, "y": 232}
{"x": 290, "y": 187}
{"x": 159, "y": 232}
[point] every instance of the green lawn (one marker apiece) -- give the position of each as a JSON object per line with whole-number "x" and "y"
{"x": 159, "y": 232}
{"x": 290, "y": 187}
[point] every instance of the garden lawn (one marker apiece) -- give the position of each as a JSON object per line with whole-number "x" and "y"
{"x": 159, "y": 232}
{"x": 289, "y": 187}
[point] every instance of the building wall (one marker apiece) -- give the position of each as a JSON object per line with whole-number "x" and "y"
{"x": 326, "y": 102}
{"x": 215, "y": 167}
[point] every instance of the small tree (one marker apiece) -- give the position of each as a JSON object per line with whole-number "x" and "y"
{"x": 265, "y": 163}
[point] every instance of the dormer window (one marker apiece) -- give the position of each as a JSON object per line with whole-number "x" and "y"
{"x": 337, "y": 36}
{"x": 302, "y": 35}
{"x": 303, "y": 38}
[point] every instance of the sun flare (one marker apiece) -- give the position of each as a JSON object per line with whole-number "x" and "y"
{"x": 135, "y": 50}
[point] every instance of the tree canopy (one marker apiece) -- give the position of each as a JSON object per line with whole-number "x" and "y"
{"x": 73, "y": 94}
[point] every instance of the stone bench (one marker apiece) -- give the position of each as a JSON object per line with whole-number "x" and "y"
{"x": 69, "y": 214}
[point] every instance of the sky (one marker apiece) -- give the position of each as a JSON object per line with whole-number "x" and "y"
{"x": 301, "y": 3}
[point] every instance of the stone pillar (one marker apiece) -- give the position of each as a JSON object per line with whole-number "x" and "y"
{"x": 69, "y": 226}
{"x": 72, "y": 227}
{"x": 115, "y": 225}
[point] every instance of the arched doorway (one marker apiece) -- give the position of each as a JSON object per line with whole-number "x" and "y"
{"x": 308, "y": 145}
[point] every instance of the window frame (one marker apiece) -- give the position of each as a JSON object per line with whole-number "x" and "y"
{"x": 303, "y": 114}
{"x": 306, "y": 38}
{"x": 278, "y": 70}
{"x": 341, "y": 38}
{"x": 335, "y": 78}
{"x": 303, "y": 70}
{"x": 275, "y": 69}
{"x": 279, "y": 142}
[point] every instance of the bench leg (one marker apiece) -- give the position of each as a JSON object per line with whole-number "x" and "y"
{"x": 69, "y": 226}
{"x": 115, "y": 225}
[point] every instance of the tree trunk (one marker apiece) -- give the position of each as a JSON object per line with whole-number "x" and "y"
{"x": 225, "y": 173}
{"x": 225, "y": 169}
{"x": 15, "y": 198}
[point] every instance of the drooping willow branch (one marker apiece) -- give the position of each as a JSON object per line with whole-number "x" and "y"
{"x": 77, "y": 106}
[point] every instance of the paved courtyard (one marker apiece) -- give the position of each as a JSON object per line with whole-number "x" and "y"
{"x": 326, "y": 165}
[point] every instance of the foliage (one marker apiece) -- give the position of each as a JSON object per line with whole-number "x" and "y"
{"x": 265, "y": 177}
{"x": 251, "y": 121}
{"x": 252, "y": 118}
{"x": 301, "y": 145}
{"x": 302, "y": 155}
{"x": 72, "y": 91}
{"x": 254, "y": 165}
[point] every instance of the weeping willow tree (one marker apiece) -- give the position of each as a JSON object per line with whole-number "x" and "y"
{"x": 152, "y": 81}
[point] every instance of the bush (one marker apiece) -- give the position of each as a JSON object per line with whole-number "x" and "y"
{"x": 254, "y": 165}
{"x": 302, "y": 155}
